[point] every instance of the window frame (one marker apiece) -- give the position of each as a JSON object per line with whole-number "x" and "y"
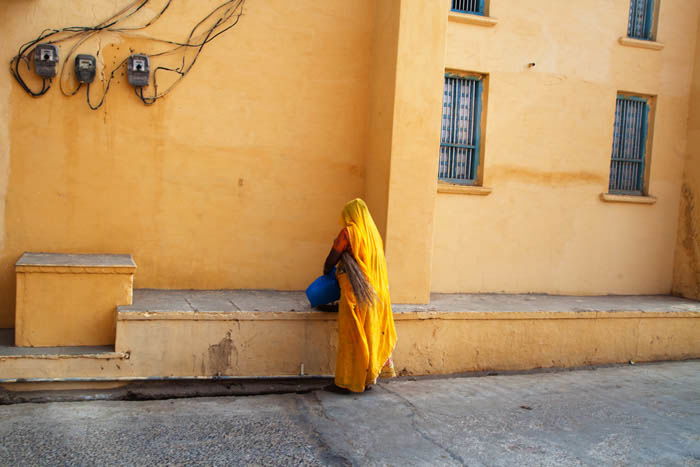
{"x": 650, "y": 20}
{"x": 478, "y": 129}
{"x": 644, "y": 146}
{"x": 481, "y": 12}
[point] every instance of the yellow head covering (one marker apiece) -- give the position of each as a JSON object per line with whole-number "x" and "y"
{"x": 367, "y": 245}
{"x": 367, "y": 335}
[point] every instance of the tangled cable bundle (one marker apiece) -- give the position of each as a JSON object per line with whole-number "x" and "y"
{"x": 216, "y": 22}
{"x": 361, "y": 287}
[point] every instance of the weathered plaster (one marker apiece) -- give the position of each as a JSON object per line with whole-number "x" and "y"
{"x": 456, "y": 333}
{"x": 235, "y": 180}
{"x": 547, "y": 146}
{"x": 686, "y": 279}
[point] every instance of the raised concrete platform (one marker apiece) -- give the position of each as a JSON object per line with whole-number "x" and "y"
{"x": 249, "y": 333}
{"x": 271, "y": 333}
{"x": 70, "y": 299}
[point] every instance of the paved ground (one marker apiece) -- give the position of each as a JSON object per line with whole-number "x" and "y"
{"x": 273, "y": 300}
{"x": 643, "y": 414}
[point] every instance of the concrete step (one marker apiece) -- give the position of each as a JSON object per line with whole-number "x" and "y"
{"x": 19, "y": 365}
{"x": 8, "y": 349}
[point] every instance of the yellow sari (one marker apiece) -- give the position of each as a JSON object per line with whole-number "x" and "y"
{"x": 366, "y": 333}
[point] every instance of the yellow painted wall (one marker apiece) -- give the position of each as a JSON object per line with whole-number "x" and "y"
{"x": 686, "y": 279}
{"x": 416, "y": 128}
{"x": 548, "y": 139}
{"x": 381, "y": 117}
{"x": 235, "y": 180}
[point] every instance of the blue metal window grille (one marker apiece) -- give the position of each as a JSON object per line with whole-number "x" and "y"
{"x": 461, "y": 128}
{"x": 629, "y": 145}
{"x": 474, "y": 7}
{"x": 641, "y": 19}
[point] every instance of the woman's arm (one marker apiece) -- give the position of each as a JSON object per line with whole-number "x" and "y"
{"x": 340, "y": 244}
{"x": 331, "y": 260}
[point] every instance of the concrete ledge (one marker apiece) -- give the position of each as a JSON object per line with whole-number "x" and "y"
{"x": 463, "y": 189}
{"x": 639, "y": 43}
{"x": 80, "y": 389}
{"x": 75, "y": 263}
{"x": 477, "y": 20}
{"x": 613, "y": 198}
{"x": 465, "y": 315}
{"x": 89, "y": 356}
{"x": 166, "y": 315}
{"x": 73, "y": 270}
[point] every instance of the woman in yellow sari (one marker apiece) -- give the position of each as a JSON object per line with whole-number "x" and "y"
{"x": 366, "y": 332}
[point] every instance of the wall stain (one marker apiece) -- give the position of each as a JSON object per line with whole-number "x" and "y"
{"x": 220, "y": 355}
{"x": 691, "y": 240}
{"x": 548, "y": 178}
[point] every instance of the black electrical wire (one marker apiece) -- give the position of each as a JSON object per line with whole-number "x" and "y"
{"x": 155, "y": 18}
{"x": 16, "y": 74}
{"x": 46, "y": 33}
{"x": 106, "y": 89}
{"x": 99, "y": 28}
{"x": 233, "y": 8}
{"x": 207, "y": 38}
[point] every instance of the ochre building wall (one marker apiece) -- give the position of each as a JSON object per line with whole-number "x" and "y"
{"x": 381, "y": 110}
{"x": 234, "y": 180}
{"x": 413, "y": 163}
{"x": 686, "y": 278}
{"x": 547, "y": 146}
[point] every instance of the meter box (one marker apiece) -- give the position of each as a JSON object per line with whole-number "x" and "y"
{"x": 85, "y": 68}
{"x": 137, "y": 70}
{"x": 45, "y": 60}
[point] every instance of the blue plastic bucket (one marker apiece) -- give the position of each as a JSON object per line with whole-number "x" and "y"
{"x": 323, "y": 290}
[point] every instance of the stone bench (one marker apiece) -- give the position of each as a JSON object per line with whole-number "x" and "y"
{"x": 70, "y": 299}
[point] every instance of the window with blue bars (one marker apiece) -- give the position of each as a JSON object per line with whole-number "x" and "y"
{"x": 461, "y": 129}
{"x": 641, "y": 20}
{"x": 474, "y": 7}
{"x": 627, "y": 163}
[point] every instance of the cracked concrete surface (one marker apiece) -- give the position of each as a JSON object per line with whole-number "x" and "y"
{"x": 642, "y": 414}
